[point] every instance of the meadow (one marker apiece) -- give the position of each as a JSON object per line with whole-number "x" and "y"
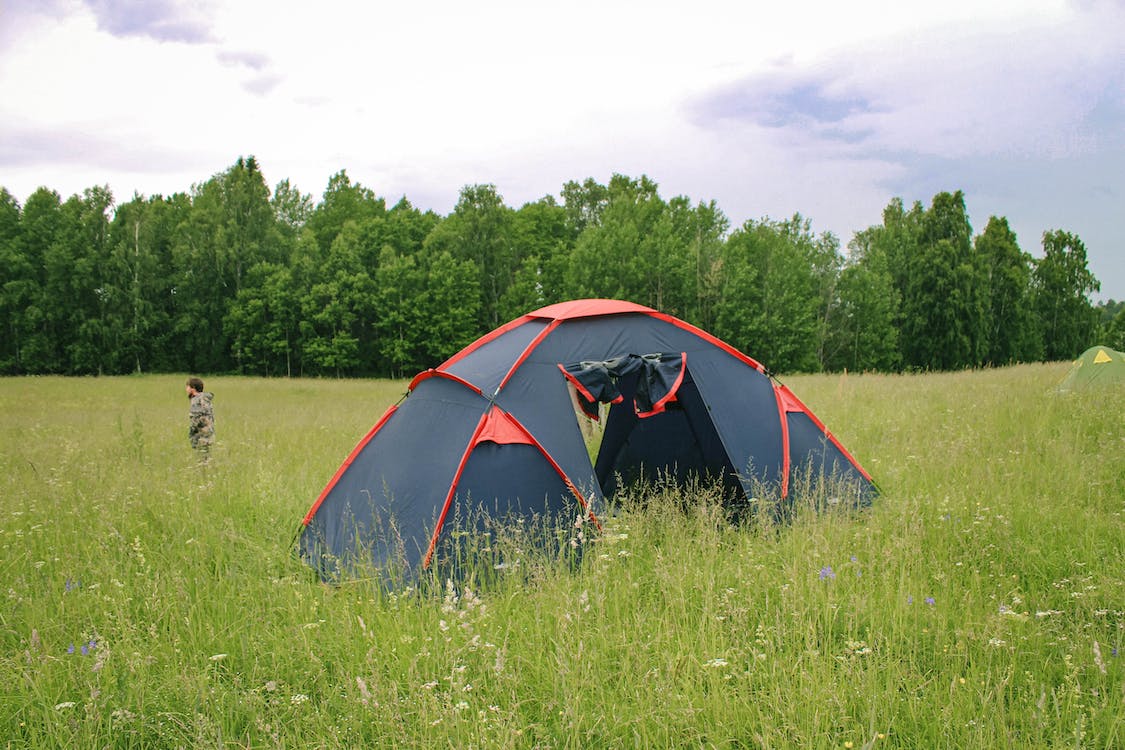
{"x": 977, "y": 604}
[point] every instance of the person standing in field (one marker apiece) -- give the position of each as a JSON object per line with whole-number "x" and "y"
{"x": 201, "y": 418}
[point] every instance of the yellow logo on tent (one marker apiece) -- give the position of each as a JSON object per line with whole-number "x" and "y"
{"x": 1101, "y": 357}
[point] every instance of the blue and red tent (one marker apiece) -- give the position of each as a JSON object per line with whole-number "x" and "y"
{"x": 494, "y": 430}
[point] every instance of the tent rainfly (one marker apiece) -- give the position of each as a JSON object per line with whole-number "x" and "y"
{"x": 493, "y": 430}
{"x": 1097, "y": 366}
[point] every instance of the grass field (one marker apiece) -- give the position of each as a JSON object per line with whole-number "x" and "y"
{"x": 978, "y": 604}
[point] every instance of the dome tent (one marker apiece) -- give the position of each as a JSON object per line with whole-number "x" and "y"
{"x": 493, "y": 429}
{"x": 1097, "y": 366}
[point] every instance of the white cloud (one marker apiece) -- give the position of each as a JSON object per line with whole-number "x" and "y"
{"x": 163, "y": 20}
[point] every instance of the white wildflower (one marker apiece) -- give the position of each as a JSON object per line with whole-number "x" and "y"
{"x": 1098, "y": 658}
{"x": 450, "y": 602}
{"x": 365, "y": 695}
{"x": 122, "y": 715}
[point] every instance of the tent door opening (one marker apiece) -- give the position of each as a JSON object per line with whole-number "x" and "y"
{"x": 657, "y": 427}
{"x": 678, "y": 445}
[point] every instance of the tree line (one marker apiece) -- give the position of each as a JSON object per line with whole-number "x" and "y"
{"x": 232, "y": 277}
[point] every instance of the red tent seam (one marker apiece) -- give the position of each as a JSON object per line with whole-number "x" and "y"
{"x": 795, "y": 404}
{"x": 347, "y": 462}
{"x": 785, "y": 459}
{"x": 433, "y": 373}
{"x": 452, "y": 489}
{"x": 577, "y": 385}
{"x": 535, "y": 342}
{"x": 711, "y": 339}
{"x": 484, "y": 340}
{"x": 669, "y": 397}
{"x": 476, "y": 440}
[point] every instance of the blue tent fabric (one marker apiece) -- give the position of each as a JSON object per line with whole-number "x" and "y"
{"x": 493, "y": 432}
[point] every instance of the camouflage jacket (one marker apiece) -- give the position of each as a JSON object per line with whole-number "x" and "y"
{"x": 201, "y": 420}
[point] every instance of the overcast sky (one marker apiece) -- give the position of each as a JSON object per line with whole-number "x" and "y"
{"x": 827, "y": 108}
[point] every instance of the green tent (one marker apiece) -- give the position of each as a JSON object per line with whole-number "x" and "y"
{"x": 1098, "y": 366}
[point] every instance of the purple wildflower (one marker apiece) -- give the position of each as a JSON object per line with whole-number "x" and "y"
{"x": 85, "y": 649}
{"x": 930, "y": 600}
{"x": 909, "y": 599}
{"x": 70, "y": 649}
{"x": 826, "y": 572}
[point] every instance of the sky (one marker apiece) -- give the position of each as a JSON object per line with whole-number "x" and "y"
{"x": 828, "y": 109}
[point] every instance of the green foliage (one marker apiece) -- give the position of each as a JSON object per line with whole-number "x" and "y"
{"x": 230, "y": 278}
{"x": 139, "y": 280}
{"x": 1109, "y": 310}
{"x": 778, "y": 281}
{"x": 292, "y": 209}
{"x": 627, "y": 253}
{"x": 1011, "y": 335}
{"x": 863, "y": 335}
{"x": 264, "y": 321}
{"x": 976, "y": 604}
{"x": 540, "y": 229}
{"x": 35, "y": 340}
{"x": 447, "y": 309}
{"x": 944, "y": 301}
{"x": 1061, "y": 285}
{"x": 400, "y": 286}
{"x": 230, "y": 228}
{"x": 14, "y": 273}
{"x": 479, "y": 231}
{"x": 1112, "y": 332}
{"x": 584, "y": 203}
{"x": 342, "y": 202}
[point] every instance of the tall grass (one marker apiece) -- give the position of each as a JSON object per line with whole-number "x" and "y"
{"x": 145, "y": 602}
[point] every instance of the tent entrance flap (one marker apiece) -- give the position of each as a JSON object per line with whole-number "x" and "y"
{"x": 655, "y": 379}
{"x": 658, "y": 426}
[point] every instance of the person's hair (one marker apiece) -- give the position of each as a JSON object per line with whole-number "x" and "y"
{"x": 195, "y": 384}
